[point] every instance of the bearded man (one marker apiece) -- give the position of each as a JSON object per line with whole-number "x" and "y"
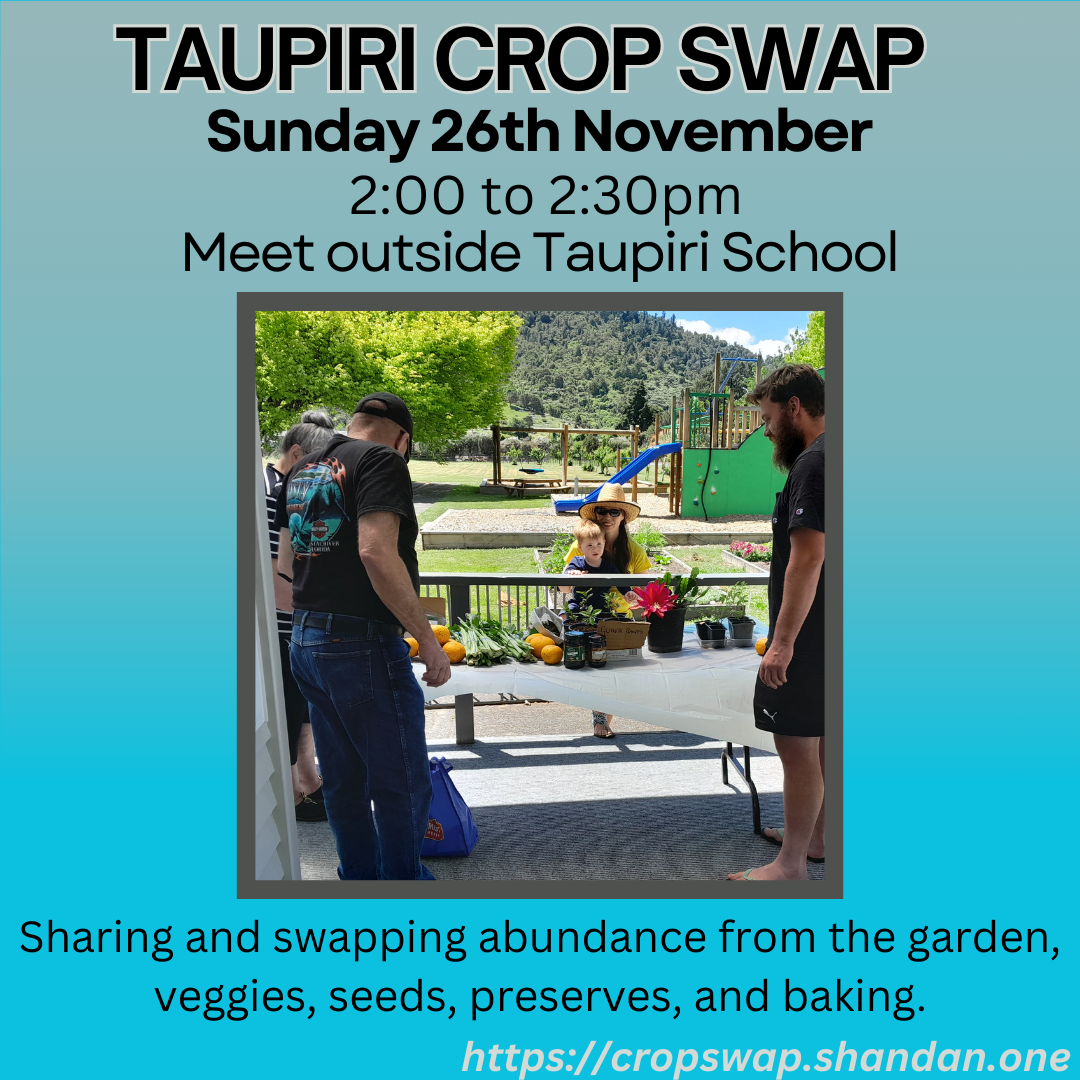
{"x": 789, "y": 698}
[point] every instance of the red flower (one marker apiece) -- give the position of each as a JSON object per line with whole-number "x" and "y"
{"x": 656, "y": 599}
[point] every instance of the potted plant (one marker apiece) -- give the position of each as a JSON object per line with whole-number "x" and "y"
{"x": 585, "y": 617}
{"x": 664, "y": 603}
{"x": 732, "y": 603}
{"x": 653, "y": 541}
{"x": 742, "y": 625}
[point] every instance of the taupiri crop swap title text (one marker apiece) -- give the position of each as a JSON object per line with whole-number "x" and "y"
{"x": 504, "y": 59}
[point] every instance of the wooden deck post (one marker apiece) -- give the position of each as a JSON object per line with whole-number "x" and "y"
{"x": 565, "y": 450}
{"x": 496, "y": 454}
{"x": 633, "y": 456}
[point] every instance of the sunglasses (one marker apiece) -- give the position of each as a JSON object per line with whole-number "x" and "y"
{"x": 604, "y": 511}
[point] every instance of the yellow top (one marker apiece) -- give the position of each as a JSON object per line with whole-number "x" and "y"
{"x": 639, "y": 564}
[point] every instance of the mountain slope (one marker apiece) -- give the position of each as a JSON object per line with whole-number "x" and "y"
{"x": 585, "y": 365}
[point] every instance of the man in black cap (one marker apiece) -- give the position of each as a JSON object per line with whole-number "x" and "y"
{"x": 347, "y": 517}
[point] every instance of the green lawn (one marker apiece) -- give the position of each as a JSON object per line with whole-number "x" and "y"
{"x": 450, "y": 472}
{"x": 708, "y": 560}
{"x": 472, "y": 472}
{"x": 467, "y": 497}
{"x": 478, "y": 561}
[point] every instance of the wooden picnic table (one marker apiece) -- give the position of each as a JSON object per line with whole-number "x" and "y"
{"x": 547, "y": 487}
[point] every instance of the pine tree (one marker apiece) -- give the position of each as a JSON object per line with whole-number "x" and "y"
{"x": 638, "y": 412}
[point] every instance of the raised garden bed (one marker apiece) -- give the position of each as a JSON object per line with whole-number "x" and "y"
{"x": 676, "y": 566}
{"x": 745, "y": 564}
{"x": 714, "y": 612}
{"x": 535, "y": 528}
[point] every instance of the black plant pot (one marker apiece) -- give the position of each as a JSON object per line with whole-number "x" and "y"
{"x": 711, "y": 634}
{"x": 742, "y": 632}
{"x": 666, "y": 631}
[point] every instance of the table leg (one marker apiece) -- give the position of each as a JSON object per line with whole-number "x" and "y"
{"x": 744, "y": 771}
{"x": 464, "y": 734}
{"x": 755, "y": 803}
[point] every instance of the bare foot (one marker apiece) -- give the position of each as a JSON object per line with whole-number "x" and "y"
{"x": 772, "y": 872}
{"x": 815, "y": 851}
{"x": 602, "y": 731}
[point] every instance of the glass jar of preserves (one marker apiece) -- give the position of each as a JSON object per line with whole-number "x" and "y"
{"x": 574, "y": 649}
{"x": 596, "y": 650}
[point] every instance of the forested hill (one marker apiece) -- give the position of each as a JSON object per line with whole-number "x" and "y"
{"x": 585, "y": 366}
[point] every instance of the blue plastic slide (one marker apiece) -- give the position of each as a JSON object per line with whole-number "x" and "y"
{"x": 642, "y": 461}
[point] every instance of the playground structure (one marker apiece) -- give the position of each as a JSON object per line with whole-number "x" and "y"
{"x": 721, "y": 462}
{"x": 726, "y": 464}
{"x": 642, "y": 461}
{"x": 531, "y": 483}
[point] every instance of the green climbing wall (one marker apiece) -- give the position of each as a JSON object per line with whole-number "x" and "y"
{"x": 740, "y": 481}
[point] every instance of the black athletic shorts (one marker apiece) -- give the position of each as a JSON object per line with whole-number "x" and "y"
{"x": 797, "y": 707}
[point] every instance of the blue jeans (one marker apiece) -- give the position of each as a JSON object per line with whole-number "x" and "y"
{"x": 367, "y": 717}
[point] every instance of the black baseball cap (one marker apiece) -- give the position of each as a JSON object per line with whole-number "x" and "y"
{"x": 395, "y": 410}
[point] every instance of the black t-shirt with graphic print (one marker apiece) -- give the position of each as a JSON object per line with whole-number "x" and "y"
{"x": 320, "y": 502}
{"x": 800, "y": 505}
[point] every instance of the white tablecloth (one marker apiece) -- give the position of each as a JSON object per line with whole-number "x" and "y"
{"x": 708, "y": 692}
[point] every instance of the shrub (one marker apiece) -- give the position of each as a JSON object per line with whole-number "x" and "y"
{"x": 751, "y": 552}
{"x": 648, "y": 536}
{"x": 555, "y": 563}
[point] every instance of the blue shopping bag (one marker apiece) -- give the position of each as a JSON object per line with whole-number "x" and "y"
{"x": 451, "y": 829}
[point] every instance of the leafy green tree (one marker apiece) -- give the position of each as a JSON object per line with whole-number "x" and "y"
{"x": 638, "y": 411}
{"x": 808, "y": 346}
{"x": 605, "y": 458}
{"x": 585, "y": 365}
{"x": 450, "y": 367}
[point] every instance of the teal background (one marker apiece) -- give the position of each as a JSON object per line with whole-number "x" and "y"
{"x": 118, "y": 570}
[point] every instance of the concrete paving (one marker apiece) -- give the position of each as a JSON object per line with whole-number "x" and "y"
{"x": 426, "y": 496}
{"x": 552, "y": 802}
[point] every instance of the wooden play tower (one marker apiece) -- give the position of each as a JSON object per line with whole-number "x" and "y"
{"x": 707, "y": 421}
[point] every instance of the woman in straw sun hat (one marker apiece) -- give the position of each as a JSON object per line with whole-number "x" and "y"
{"x": 612, "y": 511}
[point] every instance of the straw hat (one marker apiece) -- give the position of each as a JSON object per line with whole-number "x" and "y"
{"x": 610, "y": 495}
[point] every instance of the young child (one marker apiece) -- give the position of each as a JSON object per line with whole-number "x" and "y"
{"x": 590, "y": 540}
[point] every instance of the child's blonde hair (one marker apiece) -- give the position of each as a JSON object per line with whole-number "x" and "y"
{"x": 588, "y": 530}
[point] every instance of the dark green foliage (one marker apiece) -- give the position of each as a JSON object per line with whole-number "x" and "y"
{"x": 638, "y": 412}
{"x": 607, "y": 368}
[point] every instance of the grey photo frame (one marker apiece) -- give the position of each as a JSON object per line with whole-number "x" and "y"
{"x": 250, "y": 887}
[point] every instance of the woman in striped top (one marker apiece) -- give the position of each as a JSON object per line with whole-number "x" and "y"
{"x": 313, "y": 432}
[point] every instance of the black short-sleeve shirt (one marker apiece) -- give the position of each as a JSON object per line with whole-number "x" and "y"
{"x": 800, "y": 505}
{"x": 320, "y": 502}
